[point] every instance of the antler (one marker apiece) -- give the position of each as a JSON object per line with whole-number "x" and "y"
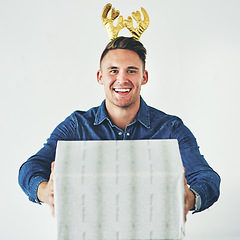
{"x": 142, "y": 25}
{"x": 108, "y": 22}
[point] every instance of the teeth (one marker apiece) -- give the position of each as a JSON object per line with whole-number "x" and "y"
{"x": 122, "y": 90}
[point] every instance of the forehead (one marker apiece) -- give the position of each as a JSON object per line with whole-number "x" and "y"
{"x": 121, "y": 57}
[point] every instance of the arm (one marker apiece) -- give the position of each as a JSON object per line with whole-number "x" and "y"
{"x": 35, "y": 172}
{"x": 199, "y": 175}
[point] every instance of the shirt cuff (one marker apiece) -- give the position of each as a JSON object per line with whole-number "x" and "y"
{"x": 198, "y": 200}
{"x": 34, "y": 187}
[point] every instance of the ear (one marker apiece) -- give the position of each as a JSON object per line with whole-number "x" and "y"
{"x": 99, "y": 77}
{"x": 145, "y": 77}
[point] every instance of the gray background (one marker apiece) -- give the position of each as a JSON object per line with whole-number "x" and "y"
{"x": 49, "y": 54}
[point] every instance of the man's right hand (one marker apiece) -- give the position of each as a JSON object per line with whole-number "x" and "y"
{"x": 45, "y": 192}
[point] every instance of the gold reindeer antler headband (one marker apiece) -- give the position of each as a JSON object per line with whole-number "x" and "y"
{"x": 128, "y": 23}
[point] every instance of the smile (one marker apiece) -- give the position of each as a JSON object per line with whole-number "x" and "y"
{"x": 122, "y": 90}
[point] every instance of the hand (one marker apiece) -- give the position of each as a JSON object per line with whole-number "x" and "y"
{"x": 45, "y": 192}
{"x": 189, "y": 199}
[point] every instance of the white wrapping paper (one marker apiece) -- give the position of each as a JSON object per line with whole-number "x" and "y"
{"x": 123, "y": 190}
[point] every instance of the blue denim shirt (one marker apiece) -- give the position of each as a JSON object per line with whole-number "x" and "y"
{"x": 149, "y": 123}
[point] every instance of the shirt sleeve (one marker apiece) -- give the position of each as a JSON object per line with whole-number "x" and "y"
{"x": 199, "y": 175}
{"x": 38, "y": 167}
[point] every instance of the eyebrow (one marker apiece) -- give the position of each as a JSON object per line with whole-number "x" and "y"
{"x": 112, "y": 67}
{"x": 130, "y": 67}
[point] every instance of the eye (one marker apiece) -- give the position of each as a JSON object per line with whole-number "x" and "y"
{"x": 132, "y": 71}
{"x": 113, "y": 71}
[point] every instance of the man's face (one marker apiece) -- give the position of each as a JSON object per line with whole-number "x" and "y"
{"x": 122, "y": 76}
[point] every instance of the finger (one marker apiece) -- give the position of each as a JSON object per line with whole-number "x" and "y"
{"x": 51, "y": 187}
{"x": 185, "y": 182}
{"x": 51, "y": 176}
{"x": 53, "y": 210}
{"x": 185, "y": 212}
{"x": 52, "y": 165}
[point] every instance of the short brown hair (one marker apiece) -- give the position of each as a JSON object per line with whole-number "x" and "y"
{"x": 126, "y": 43}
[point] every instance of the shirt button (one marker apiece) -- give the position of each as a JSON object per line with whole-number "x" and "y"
{"x": 120, "y": 133}
{"x": 128, "y": 134}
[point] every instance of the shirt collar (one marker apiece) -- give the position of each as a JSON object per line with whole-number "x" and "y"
{"x": 142, "y": 115}
{"x": 101, "y": 114}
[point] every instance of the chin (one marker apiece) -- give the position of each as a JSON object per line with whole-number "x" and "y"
{"x": 124, "y": 104}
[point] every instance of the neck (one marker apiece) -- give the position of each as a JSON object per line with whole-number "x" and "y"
{"x": 122, "y": 116}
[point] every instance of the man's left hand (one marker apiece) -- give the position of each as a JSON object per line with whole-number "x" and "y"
{"x": 189, "y": 199}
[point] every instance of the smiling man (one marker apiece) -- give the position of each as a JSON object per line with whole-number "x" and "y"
{"x": 122, "y": 74}
{"x": 123, "y": 115}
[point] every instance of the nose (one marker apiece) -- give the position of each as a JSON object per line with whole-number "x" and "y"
{"x": 122, "y": 77}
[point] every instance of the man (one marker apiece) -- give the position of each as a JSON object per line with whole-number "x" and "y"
{"x": 123, "y": 116}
